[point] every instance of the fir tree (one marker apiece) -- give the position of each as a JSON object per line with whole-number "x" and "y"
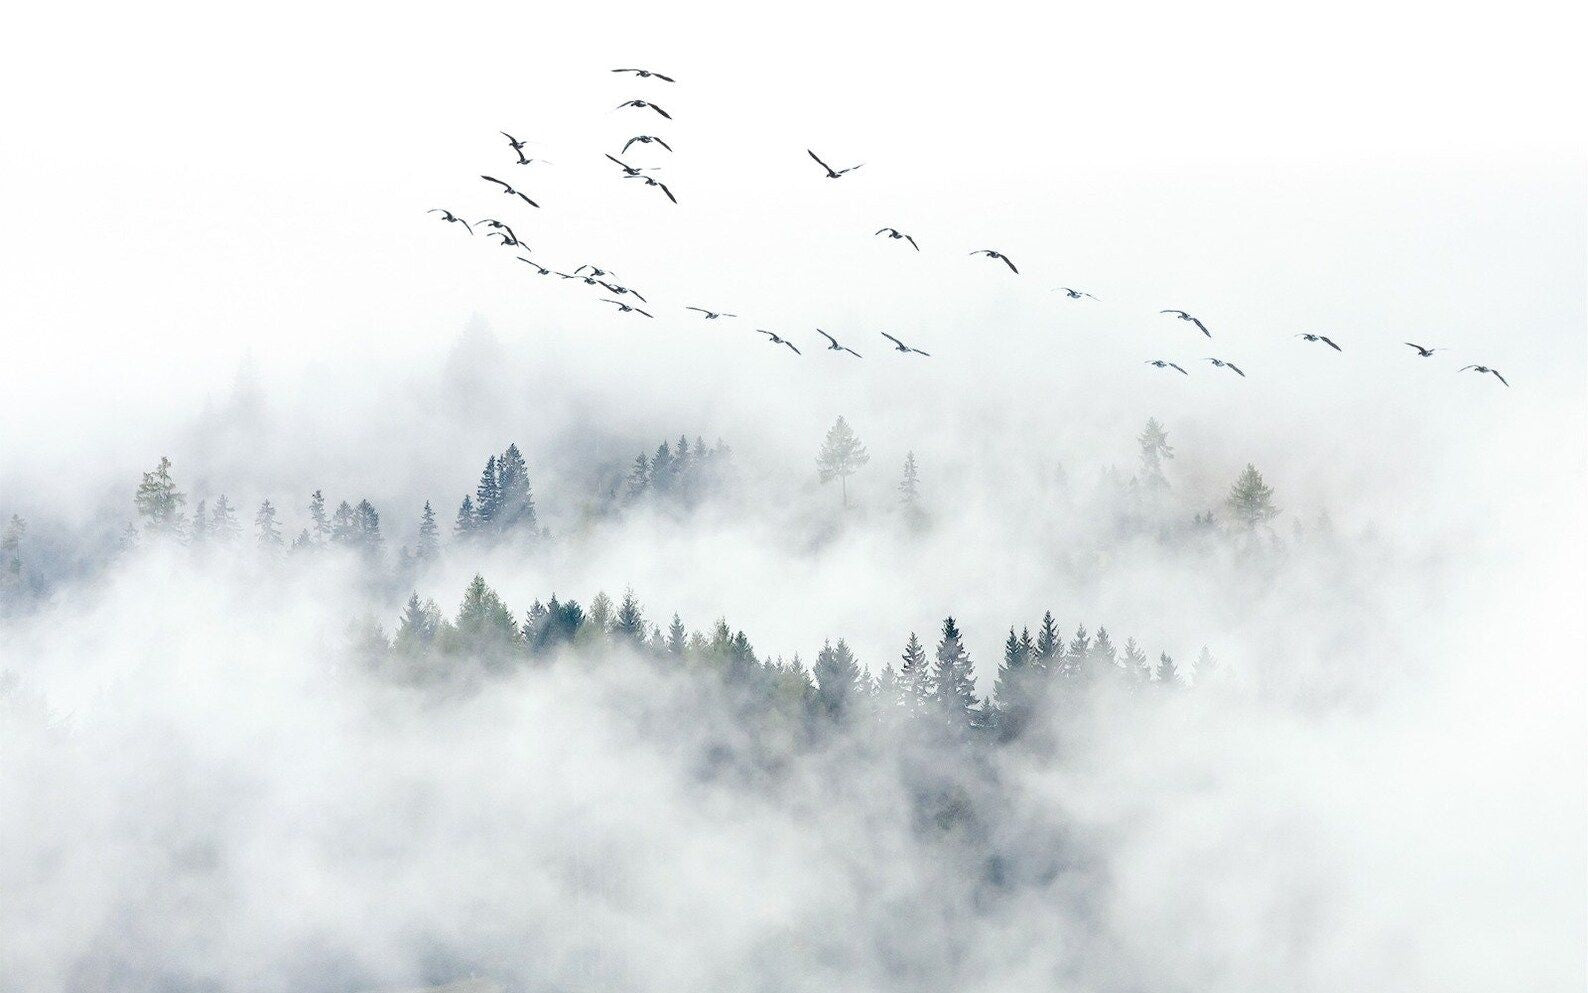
{"x": 418, "y": 626}
{"x": 159, "y": 502}
{"x": 265, "y": 526}
{"x": 224, "y": 526}
{"x": 468, "y": 522}
{"x": 662, "y": 469}
{"x": 1013, "y": 688}
{"x": 488, "y": 495}
{"x": 515, "y": 510}
{"x": 429, "y": 535}
{"x": 628, "y": 627}
{"x": 1155, "y": 450}
{"x": 954, "y": 683}
{"x": 344, "y": 525}
{"x": 638, "y": 479}
{"x": 1102, "y": 659}
{"x": 484, "y": 625}
{"x": 840, "y": 682}
{"x": 366, "y": 524}
{"x": 318, "y": 521}
{"x": 1073, "y": 667}
{"x": 841, "y": 455}
{"x": 1251, "y": 501}
{"x": 677, "y": 639}
{"x": 915, "y": 676}
{"x": 1168, "y": 672}
{"x": 910, "y": 486}
{"x": 1049, "y": 645}
{"x": 600, "y": 613}
{"x": 1205, "y": 666}
{"x": 1137, "y": 668}
{"x": 199, "y": 531}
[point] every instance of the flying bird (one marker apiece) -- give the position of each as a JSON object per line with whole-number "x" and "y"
{"x": 1160, "y": 363}
{"x": 508, "y": 239}
{"x": 1318, "y": 337}
{"x": 517, "y": 146}
{"x": 831, "y": 172}
{"x": 711, "y": 315}
{"x": 1228, "y": 365}
{"x": 774, "y": 339}
{"x": 588, "y": 280}
{"x": 1000, "y": 256}
{"x": 644, "y": 139}
{"x": 1073, "y": 294}
{"x": 896, "y": 234}
{"x": 509, "y": 190}
{"x": 899, "y": 346}
{"x": 1422, "y": 351}
{"x": 621, "y": 290}
{"x": 641, "y": 105}
{"x": 646, "y": 74}
{"x": 540, "y": 270}
{"x": 598, "y": 273}
{"x": 1481, "y": 369}
{"x": 834, "y": 346}
{"x": 1187, "y": 317}
{"x": 624, "y": 308}
{"x": 653, "y": 181}
{"x": 628, "y": 170}
{"x": 451, "y": 218}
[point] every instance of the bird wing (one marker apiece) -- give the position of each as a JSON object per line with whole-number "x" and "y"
{"x": 1326, "y": 341}
{"x": 1498, "y": 376}
{"x": 701, "y": 309}
{"x": 1466, "y": 367}
{"x": 668, "y": 192}
{"x": 790, "y": 344}
{"x": 851, "y": 351}
{"x": 1182, "y": 371}
{"x": 887, "y": 231}
{"x": 919, "y": 352}
{"x": 1179, "y": 313}
{"x": 1416, "y": 346}
{"x": 912, "y": 243}
{"x": 1011, "y": 265}
{"x": 527, "y": 200}
{"x": 625, "y": 70}
{"x": 665, "y": 79}
{"x": 465, "y": 224}
{"x": 818, "y": 160}
{"x": 893, "y": 339}
{"x": 660, "y": 111}
{"x": 769, "y": 334}
{"x": 1237, "y": 368}
{"x": 639, "y": 311}
{"x": 493, "y": 179}
{"x": 608, "y": 155}
{"x": 1202, "y": 327}
{"x": 829, "y": 337}
{"x": 628, "y": 103}
{"x": 850, "y": 169}
{"x": 618, "y": 302}
{"x": 638, "y": 297}
{"x": 663, "y": 144}
{"x": 625, "y": 149}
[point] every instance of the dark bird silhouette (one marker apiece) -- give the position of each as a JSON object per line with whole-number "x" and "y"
{"x": 899, "y": 346}
{"x": 653, "y": 181}
{"x": 491, "y": 222}
{"x": 1422, "y": 351}
{"x": 1318, "y": 337}
{"x": 540, "y": 270}
{"x": 628, "y": 170}
{"x": 517, "y": 146}
{"x": 1000, "y": 256}
{"x": 834, "y": 346}
{"x": 1073, "y": 294}
{"x": 641, "y": 105}
{"x": 1160, "y": 363}
{"x": 774, "y": 339}
{"x": 597, "y": 273}
{"x": 625, "y": 308}
{"x": 711, "y": 315}
{"x": 587, "y": 280}
{"x": 508, "y": 240}
{"x": 896, "y": 234}
{"x": 831, "y": 172}
{"x": 645, "y": 139}
{"x": 509, "y": 190}
{"x": 622, "y": 290}
{"x": 1481, "y": 369}
{"x": 451, "y": 218}
{"x": 1187, "y": 317}
{"x": 1228, "y": 365}
{"x": 646, "y": 74}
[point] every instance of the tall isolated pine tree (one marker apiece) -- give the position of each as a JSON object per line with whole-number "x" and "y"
{"x": 1251, "y": 501}
{"x": 488, "y": 495}
{"x": 320, "y": 523}
{"x": 1168, "y": 672}
{"x": 953, "y": 679}
{"x": 910, "y": 491}
{"x": 1155, "y": 451}
{"x": 915, "y": 677}
{"x": 515, "y": 512}
{"x": 841, "y": 456}
{"x": 429, "y": 544}
{"x": 159, "y": 502}
{"x": 1049, "y": 651}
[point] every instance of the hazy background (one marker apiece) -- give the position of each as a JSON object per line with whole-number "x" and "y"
{"x": 216, "y": 248}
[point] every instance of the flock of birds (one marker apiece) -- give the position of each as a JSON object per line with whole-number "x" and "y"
{"x": 592, "y": 275}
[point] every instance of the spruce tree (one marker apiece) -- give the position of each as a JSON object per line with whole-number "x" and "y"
{"x": 1102, "y": 659}
{"x": 468, "y": 522}
{"x": 915, "y": 676}
{"x": 1155, "y": 450}
{"x": 418, "y": 626}
{"x": 1013, "y": 689}
{"x": 662, "y": 469}
{"x": 1168, "y": 672}
{"x": 841, "y": 455}
{"x": 224, "y": 526}
{"x": 484, "y": 625}
{"x": 1205, "y": 667}
{"x": 910, "y": 491}
{"x": 628, "y": 627}
{"x": 199, "y": 531}
{"x": 159, "y": 502}
{"x": 429, "y": 535}
{"x": 840, "y": 682}
{"x": 265, "y": 526}
{"x": 1251, "y": 501}
{"x": 488, "y": 495}
{"x": 954, "y": 682}
{"x": 318, "y": 521}
{"x": 1137, "y": 668}
{"x": 366, "y": 526}
{"x": 515, "y": 503}
{"x": 1049, "y": 644}
{"x": 344, "y": 525}
{"x": 677, "y": 639}
{"x": 1073, "y": 667}
{"x": 638, "y": 479}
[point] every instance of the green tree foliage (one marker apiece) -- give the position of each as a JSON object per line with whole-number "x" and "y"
{"x": 840, "y": 682}
{"x": 1251, "y": 501}
{"x": 468, "y": 522}
{"x": 515, "y": 513}
{"x": 429, "y": 544}
{"x": 1015, "y": 688}
{"x": 628, "y": 627}
{"x": 484, "y": 627}
{"x": 841, "y": 456}
{"x": 418, "y": 627}
{"x": 159, "y": 502}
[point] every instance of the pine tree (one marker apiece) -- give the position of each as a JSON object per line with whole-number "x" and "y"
{"x": 515, "y": 510}
{"x": 841, "y": 455}
{"x": 1155, "y": 450}
{"x": 317, "y": 519}
{"x": 199, "y": 531}
{"x": 1073, "y": 667}
{"x": 224, "y": 526}
{"x": 628, "y": 627}
{"x": 429, "y": 535}
{"x": 915, "y": 676}
{"x": 366, "y": 526}
{"x": 1251, "y": 501}
{"x": 1137, "y": 668}
{"x": 954, "y": 682}
{"x": 1203, "y": 673}
{"x": 418, "y": 626}
{"x": 1168, "y": 672}
{"x": 1049, "y": 646}
{"x": 639, "y": 478}
{"x": 468, "y": 522}
{"x": 265, "y": 526}
{"x": 1013, "y": 688}
{"x": 677, "y": 639}
{"x": 886, "y": 691}
{"x": 910, "y": 490}
{"x": 600, "y": 612}
{"x": 1103, "y": 660}
{"x": 840, "y": 682}
{"x": 159, "y": 502}
{"x": 488, "y": 495}
{"x": 485, "y": 625}
{"x": 344, "y": 525}
{"x": 662, "y": 469}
